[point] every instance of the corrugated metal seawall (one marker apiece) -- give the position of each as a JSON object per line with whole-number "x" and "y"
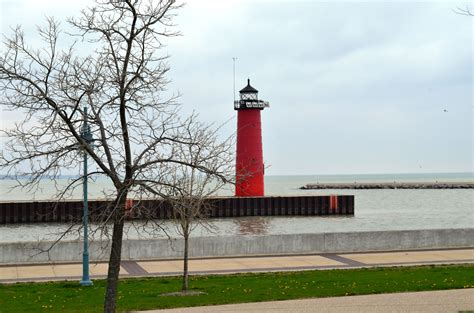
{"x": 67, "y": 211}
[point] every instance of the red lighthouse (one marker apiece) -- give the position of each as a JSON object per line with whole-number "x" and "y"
{"x": 249, "y": 167}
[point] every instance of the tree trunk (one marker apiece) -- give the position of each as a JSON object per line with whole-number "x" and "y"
{"x": 115, "y": 258}
{"x": 185, "y": 267}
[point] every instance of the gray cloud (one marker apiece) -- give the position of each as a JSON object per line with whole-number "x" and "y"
{"x": 354, "y": 87}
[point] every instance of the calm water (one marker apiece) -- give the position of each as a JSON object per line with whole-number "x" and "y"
{"x": 274, "y": 185}
{"x": 385, "y": 209}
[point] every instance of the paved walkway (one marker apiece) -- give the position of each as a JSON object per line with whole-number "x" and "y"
{"x": 146, "y": 268}
{"x": 425, "y": 301}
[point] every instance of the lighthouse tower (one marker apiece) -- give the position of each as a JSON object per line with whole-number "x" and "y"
{"x": 249, "y": 166}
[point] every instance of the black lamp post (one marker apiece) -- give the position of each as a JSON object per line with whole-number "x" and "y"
{"x": 87, "y": 136}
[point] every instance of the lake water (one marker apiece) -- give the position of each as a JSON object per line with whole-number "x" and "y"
{"x": 385, "y": 209}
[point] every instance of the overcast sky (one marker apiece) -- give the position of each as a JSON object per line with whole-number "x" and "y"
{"x": 354, "y": 87}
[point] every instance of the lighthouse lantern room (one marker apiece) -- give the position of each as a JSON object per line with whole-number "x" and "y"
{"x": 249, "y": 164}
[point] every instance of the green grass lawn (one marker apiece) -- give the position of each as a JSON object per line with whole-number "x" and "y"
{"x": 142, "y": 294}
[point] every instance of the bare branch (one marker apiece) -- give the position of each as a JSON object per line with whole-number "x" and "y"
{"x": 464, "y": 11}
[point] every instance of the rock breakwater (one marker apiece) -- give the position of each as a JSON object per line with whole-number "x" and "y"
{"x": 392, "y": 185}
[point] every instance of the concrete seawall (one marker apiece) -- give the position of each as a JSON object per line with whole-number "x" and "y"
{"x": 71, "y": 251}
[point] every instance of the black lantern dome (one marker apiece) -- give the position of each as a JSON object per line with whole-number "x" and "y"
{"x": 248, "y": 88}
{"x": 249, "y": 99}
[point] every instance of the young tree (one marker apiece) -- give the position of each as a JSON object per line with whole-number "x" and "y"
{"x": 114, "y": 67}
{"x": 208, "y": 168}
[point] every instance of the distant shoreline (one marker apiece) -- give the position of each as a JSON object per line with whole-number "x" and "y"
{"x": 391, "y": 185}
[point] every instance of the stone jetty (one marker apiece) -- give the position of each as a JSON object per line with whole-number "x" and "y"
{"x": 392, "y": 185}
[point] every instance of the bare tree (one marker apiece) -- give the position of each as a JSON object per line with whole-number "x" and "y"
{"x": 190, "y": 189}
{"x": 114, "y": 67}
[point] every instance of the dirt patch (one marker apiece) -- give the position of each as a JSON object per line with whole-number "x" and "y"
{"x": 183, "y": 293}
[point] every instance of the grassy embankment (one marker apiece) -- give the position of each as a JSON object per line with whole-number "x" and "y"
{"x": 142, "y": 294}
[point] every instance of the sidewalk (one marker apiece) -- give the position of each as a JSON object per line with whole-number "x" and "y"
{"x": 149, "y": 268}
{"x": 461, "y": 300}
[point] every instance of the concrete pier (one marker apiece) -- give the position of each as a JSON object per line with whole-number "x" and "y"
{"x": 219, "y": 207}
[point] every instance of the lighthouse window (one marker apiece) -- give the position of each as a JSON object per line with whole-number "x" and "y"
{"x": 248, "y": 96}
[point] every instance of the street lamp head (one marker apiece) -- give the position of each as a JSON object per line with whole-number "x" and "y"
{"x": 86, "y": 133}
